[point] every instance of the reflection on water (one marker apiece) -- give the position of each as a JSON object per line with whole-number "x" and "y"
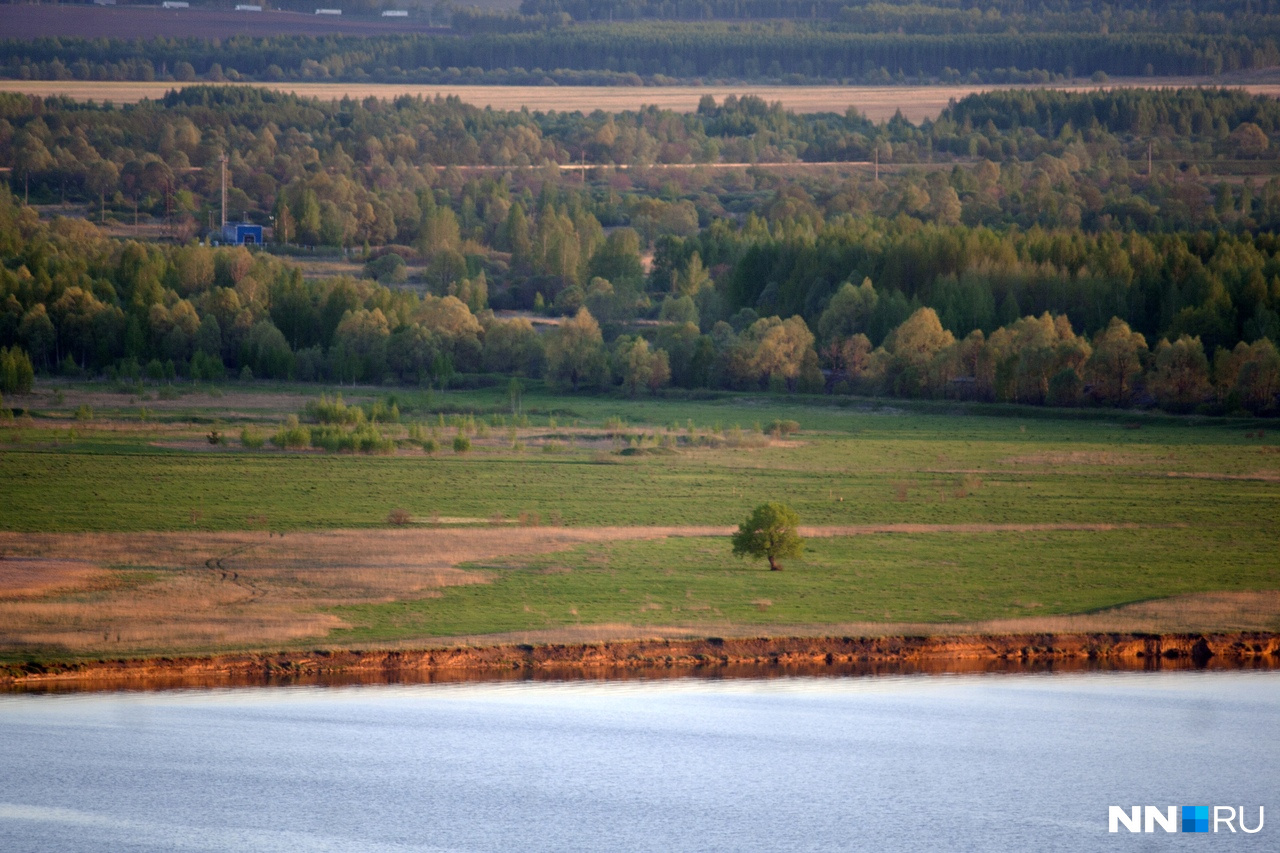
{"x": 898, "y": 763}
{"x": 127, "y": 679}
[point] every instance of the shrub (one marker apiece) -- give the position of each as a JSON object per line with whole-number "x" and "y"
{"x": 782, "y": 429}
{"x": 332, "y": 410}
{"x": 84, "y": 412}
{"x": 430, "y": 446}
{"x": 399, "y": 517}
{"x": 365, "y": 438}
{"x": 292, "y": 436}
{"x": 368, "y": 439}
{"x": 251, "y": 438}
{"x": 461, "y": 444}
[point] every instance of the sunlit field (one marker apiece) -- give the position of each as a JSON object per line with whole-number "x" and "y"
{"x": 140, "y": 524}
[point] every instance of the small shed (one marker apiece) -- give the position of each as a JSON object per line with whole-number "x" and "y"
{"x": 241, "y": 234}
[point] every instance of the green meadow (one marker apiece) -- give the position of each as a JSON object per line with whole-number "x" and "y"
{"x": 854, "y": 465}
{"x": 1174, "y": 506}
{"x": 931, "y": 578}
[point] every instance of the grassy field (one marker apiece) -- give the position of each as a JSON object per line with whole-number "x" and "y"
{"x": 878, "y": 103}
{"x": 919, "y": 579}
{"x": 137, "y": 536}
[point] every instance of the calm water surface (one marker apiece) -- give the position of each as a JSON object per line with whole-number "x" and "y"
{"x": 895, "y": 764}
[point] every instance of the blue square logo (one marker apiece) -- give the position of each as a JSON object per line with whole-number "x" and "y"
{"x": 1195, "y": 818}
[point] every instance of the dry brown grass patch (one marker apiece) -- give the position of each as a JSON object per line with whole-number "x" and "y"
{"x": 1195, "y": 612}
{"x": 117, "y": 593}
{"x": 21, "y": 577}
{"x": 876, "y": 102}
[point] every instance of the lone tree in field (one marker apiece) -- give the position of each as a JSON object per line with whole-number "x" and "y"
{"x": 769, "y": 532}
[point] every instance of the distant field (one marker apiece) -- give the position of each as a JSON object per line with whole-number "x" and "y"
{"x": 129, "y": 533}
{"x": 29, "y": 21}
{"x": 876, "y": 102}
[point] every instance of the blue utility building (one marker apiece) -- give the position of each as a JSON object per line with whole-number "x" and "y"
{"x": 241, "y": 234}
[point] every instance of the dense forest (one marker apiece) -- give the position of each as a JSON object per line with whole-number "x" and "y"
{"x": 939, "y": 16}
{"x": 647, "y": 41}
{"x": 1021, "y": 247}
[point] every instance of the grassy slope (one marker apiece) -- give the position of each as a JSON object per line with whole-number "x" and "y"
{"x": 848, "y": 467}
{"x": 915, "y": 578}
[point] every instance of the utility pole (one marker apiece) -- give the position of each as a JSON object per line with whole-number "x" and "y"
{"x": 224, "y": 189}
{"x": 168, "y": 209}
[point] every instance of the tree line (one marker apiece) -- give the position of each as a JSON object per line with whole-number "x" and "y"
{"x": 651, "y": 51}
{"x": 687, "y": 276}
{"x": 1053, "y": 159}
{"x": 931, "y": 16}
{"x": 76, "y": 302}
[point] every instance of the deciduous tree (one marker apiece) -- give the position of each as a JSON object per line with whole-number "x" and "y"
{"x": 575, "y": 352}
{"x": 770, "y": 532}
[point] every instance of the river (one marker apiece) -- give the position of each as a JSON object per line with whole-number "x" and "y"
{"x": 920, "y": 763}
